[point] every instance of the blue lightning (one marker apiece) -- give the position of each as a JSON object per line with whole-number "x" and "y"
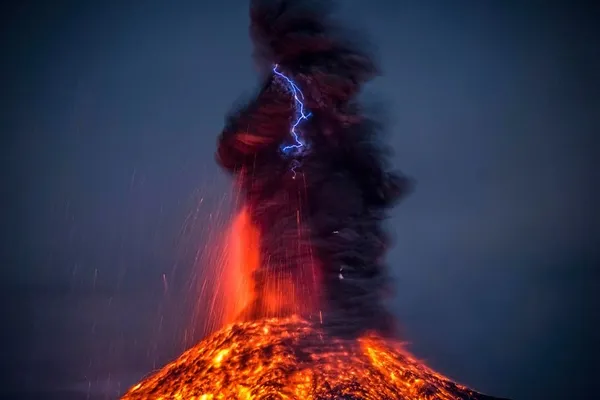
{"x": 301, "y": 115}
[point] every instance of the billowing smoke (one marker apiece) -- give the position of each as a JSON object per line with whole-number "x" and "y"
{"x": 313, "y": 172}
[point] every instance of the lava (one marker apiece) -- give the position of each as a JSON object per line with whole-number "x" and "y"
{"x": 242, "y": 260}
{"x": 292, "y": 359}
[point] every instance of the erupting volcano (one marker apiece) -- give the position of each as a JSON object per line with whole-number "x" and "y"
{"x": 287, "y": 358}
{"x": 307, "y": 278}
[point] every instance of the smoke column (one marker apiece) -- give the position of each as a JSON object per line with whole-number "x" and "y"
{"x": 313, "y": 173}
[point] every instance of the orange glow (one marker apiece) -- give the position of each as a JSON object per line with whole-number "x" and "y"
{"x": 243, "y": 258}
{"x": 288, "y": 358}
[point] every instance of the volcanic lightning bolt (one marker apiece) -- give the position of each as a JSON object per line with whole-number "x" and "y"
{"x": 300, "y": 112}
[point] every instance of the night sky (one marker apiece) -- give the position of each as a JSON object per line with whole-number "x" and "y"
{"x": 110, "y": 112}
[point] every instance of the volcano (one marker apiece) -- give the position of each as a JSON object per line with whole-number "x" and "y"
{"x": 309, "y": 279}
{"x": 293, "y": 359}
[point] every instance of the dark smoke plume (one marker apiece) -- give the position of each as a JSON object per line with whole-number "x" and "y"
{"x": 319, "y": 210}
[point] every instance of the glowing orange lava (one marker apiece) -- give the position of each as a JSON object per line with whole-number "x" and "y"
{"x": 243, "y": 258}
{"x": 288, "y": 358}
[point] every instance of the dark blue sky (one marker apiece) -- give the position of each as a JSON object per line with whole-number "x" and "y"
{"x": 110, "y": 112}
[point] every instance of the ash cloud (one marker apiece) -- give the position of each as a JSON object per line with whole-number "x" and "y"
{"x": 323, "y": 205}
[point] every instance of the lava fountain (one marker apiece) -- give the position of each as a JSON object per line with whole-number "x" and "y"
{"x": 305, "y": 279}
{"x": 242, "y": 260}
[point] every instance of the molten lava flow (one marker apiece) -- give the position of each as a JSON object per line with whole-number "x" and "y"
{"x": 292, "y": 359}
